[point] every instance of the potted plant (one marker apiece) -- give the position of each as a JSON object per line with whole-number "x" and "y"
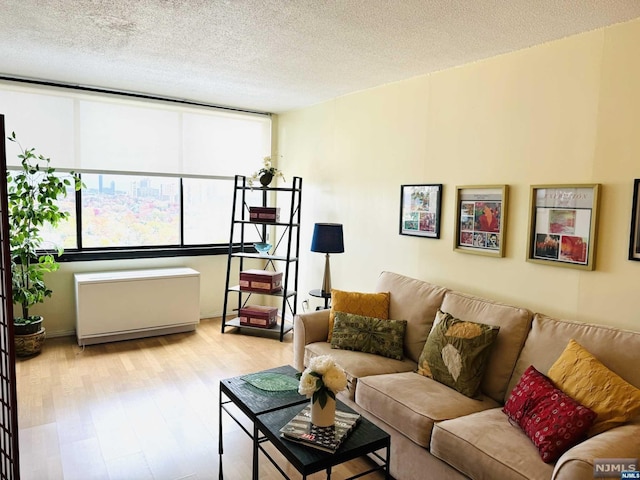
{"x": 33, "y": 192}
{"x": 266, "y": 174}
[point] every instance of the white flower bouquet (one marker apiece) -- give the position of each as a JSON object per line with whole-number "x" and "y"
{"x": 267, "y": 169}
{"x": 323, "y": 378}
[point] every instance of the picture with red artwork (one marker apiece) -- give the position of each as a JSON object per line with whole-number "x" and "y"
{"x": 487, "y": 215}
{"x": 573, "y": 249}
{"x": 562, "y": 221}
{"x": 546, "y": 246}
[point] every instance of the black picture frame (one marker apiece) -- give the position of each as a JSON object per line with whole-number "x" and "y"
{"x": 634, "y": 239}
{"x": 420, "y": 210}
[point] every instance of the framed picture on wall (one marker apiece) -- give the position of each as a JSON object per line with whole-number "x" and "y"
{"x": 420, "y": 210}
{"x": 634, "y": 242}
{"x": 563, "y": 225}
{"x": 481, "y": 215}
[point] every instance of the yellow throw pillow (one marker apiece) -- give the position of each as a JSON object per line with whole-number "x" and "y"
{"x": 584, "y": 378}
{"x": 366, "y": 304}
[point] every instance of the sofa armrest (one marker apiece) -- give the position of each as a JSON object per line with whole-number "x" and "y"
{"x": 308, "y": 328}
{"x": 619, "y": 442}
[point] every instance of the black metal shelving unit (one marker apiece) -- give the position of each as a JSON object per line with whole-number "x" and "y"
{"x": 287, "y": 243}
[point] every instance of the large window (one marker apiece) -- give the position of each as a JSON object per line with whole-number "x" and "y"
{"x": 130, "y": 211}
{"x": 158, "y": 174}
{"x": 146, "y": 215}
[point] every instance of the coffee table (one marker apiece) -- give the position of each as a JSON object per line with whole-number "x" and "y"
{"x": 251, "y": 401}
{"x": 268, "y": 413}
{"x": 365, "y": 439}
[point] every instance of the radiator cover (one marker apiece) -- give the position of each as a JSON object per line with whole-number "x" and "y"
{"x": 122, "y": 305}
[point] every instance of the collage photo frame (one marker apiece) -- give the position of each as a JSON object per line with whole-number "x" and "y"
{"x": 420, "y": 210}
{"x": 481, "y": 217}
{"x": 563, "y": 225}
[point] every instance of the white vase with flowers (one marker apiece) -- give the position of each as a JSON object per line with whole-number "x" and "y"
{"x": 320, "y": 382}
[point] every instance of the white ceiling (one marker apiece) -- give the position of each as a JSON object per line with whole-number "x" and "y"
{"x": 274, "y": 55}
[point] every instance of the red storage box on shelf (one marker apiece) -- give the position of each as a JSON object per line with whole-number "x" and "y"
{"x": 260, "y": 281}
{"x": 258, "y": 316}
{"x": 264, "y": 214}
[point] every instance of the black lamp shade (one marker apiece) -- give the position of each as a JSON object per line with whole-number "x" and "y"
{"x": 327, "y": 238}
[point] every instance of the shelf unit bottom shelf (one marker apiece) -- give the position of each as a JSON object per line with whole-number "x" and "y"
{"x": 235, "y": 322}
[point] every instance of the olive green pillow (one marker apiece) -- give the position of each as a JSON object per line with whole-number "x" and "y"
{"x": 368, "y": 334}
{"x": 456, "y": 353}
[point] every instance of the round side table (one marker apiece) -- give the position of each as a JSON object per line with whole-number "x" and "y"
{"x": 320, "y": 294}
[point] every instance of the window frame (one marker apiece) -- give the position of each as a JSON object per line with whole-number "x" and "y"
{"x": 81, "y": 254}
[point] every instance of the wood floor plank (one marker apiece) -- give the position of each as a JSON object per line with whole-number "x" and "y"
{"x": 143, "y": 409}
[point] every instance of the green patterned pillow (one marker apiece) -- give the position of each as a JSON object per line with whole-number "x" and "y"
{"x": 368, "y": 334}
{"x": 456, "y": 353}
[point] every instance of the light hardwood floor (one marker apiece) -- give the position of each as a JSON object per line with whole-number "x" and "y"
{"x": 142, "y": 409}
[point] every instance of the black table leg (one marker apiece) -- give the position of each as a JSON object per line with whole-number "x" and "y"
{"x": 387, "y": 467}
{"x": 220, "y": 448}
{"x": 255, "y": 452}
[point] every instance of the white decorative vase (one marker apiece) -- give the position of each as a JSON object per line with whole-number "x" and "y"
{"x": 323, "y": 417}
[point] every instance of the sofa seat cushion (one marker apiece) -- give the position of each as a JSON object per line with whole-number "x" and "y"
{"x": 358, "y": 364}
{"x": 485, "y": 445}
{"x": 411, "y": 403}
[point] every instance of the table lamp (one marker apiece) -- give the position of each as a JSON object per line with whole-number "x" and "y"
{"x": 327, "y": 238}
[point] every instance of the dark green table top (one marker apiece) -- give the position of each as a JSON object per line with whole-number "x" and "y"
{"x": 365, "y": 438}
{"x": 254, "y": 401}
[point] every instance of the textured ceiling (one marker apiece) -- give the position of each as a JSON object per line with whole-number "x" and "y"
{"x": 274, "y": 55}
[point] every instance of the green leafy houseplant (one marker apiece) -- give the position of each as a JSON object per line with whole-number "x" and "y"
{"x": 33, "y": 192}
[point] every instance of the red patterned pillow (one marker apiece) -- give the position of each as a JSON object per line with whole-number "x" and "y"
{"x": 551, "y": 419}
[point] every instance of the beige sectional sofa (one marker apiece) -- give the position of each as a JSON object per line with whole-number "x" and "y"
{"x": 439, "y": 433}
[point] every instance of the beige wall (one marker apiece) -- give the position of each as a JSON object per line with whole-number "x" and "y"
{"x": 563, "y": 112}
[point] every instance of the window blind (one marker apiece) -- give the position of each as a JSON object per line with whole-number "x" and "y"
{"x": 91, "y": 131}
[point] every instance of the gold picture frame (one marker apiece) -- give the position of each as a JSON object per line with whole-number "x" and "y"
{"x": 563, "y": 225}
{"x": 481, "y": 219}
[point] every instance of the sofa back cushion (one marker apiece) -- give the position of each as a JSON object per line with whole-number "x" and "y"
{"x": 514, "y": 323}
{"x": 416, "y": 302}
{"x": 616, "y": 349}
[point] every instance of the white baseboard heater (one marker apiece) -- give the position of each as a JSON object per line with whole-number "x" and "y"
{"x": 123, "y": 305}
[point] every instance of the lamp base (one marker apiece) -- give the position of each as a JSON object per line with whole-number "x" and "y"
{"x": 326, "y": 280}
